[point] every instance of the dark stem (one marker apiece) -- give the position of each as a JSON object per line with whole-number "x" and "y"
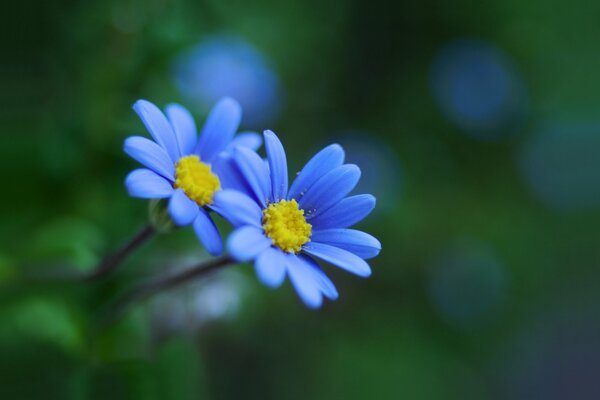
{"x": 147, "y": 289}
{"x": 113, "y": 260}
{"x": 106, "y": 266}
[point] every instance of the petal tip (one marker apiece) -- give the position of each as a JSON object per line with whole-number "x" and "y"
{"x": 335, "y": 147}
{"x": 269, "y": 133}
{"x": 140, "y": 104}
{"x": 313, "y": 304}
{"x": 366, "y": 273}
{"x": 127, "y": 144}
{"x": 230, "y": 103}
{"x": 353, "y": 168}
{"x": 173, "y": 105}
{"x": 216, "y": 251}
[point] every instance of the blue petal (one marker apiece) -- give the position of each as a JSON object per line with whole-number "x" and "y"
{"x": 325, "y": 285}
{"x": 207, "y": 232}
{"x": 182, "y": 209}
{"x": 304, "y": 282}
{"x": 251, "y": 140}
{"x": 324, "y": 161}
{"x": 346, "y": 213}
{"x": 184, "y": 127}
{"x": 254, "y": 171}
{"x": 247, "y": 242}
{"x": 277, "y": 166}
{"x": 330, "y": 189}
{"x": 237, "y": 208}
{"x": 158, "y": 126}
{"x": 270, "y": 267}
{"x": 356, "y": 242}
{"x": 147, "y": 184}
{"x": 150, "y": 155}
{"x": 222, "y": 123}
{"x": 229, "y": 174}
{"x": 338, "y": 257}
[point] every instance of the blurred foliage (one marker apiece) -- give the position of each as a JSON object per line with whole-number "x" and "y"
{"x": 71, "y": 71}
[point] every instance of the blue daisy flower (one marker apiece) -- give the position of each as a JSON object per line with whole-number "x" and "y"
{"x": 179, "y": 165}
{"x": 282, "y": 230}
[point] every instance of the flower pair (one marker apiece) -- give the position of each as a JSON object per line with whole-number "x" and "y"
{"x": 281, "y": 230}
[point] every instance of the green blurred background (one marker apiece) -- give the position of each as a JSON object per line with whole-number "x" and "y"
{"x": 476, "y": 125}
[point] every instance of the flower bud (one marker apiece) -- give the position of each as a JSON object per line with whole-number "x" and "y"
{"x": 159, "y": 216}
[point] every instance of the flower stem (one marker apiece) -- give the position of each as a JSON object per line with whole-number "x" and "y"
{"x": 111, "y": 262}
{"x": 151, "y": 287}
{"x": 106, "y": 266}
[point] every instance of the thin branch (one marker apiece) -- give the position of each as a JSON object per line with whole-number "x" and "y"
{"x": 112, "y": 261}
{"x": 162, "y": 283}
{"x": 106, "y": 266}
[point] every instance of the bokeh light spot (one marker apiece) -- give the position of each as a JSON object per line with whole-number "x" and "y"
{"x": 230, "y": 66}
{"x": 467, "y": 285}
{"x": 478, "y": 88}
{"x": 561, "y": 163}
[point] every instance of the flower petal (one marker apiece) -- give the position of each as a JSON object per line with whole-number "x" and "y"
{"x": 324, "y": 161}
{"x": 255, "y": 172}
{"x": 182, "y": 209}
{"x": 304, "y": 281}
{"x": 356, "y": 242}
{"x": 147, "y": 184}
{"x": 229, "y": 174}
{"x": 346, "y": 213}
{"x": 150, "y": 155}
{"x": 251, "y": 140}
{"x": 338, "y": 257}
{"x": 207, "y": 232}
{"x": 184, "y": 127}
{"x": 247, "y": 242}
{"x": 237, "y": 208}
{"x": 223, "y": 121}
{"x": 277, "y": 166}
{"x": 158, "y": 126}
{"x": 325, "y": 285}
{"x": 330, "y": 189}
{"x": 270, "y": 267}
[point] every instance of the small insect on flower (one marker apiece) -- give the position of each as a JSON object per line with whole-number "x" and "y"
{"x": 179, "y": 165}
{"x": 281, "y": 230}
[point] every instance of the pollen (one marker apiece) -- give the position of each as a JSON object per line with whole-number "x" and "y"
{"x": 286, "y": 225}
{"x": 196, "y": 179}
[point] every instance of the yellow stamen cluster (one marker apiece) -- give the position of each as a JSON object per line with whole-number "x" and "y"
{"x": 196, "y": 179}
{"x": 286, "y": 225}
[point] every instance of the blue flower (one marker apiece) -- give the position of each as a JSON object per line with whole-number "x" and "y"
{"x": 179, "y": 165}
{"x": 282, "y": 230}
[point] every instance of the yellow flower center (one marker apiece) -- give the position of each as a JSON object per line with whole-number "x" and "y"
{"x": 196, "y": 179}
{"x": 285, "y": 224}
